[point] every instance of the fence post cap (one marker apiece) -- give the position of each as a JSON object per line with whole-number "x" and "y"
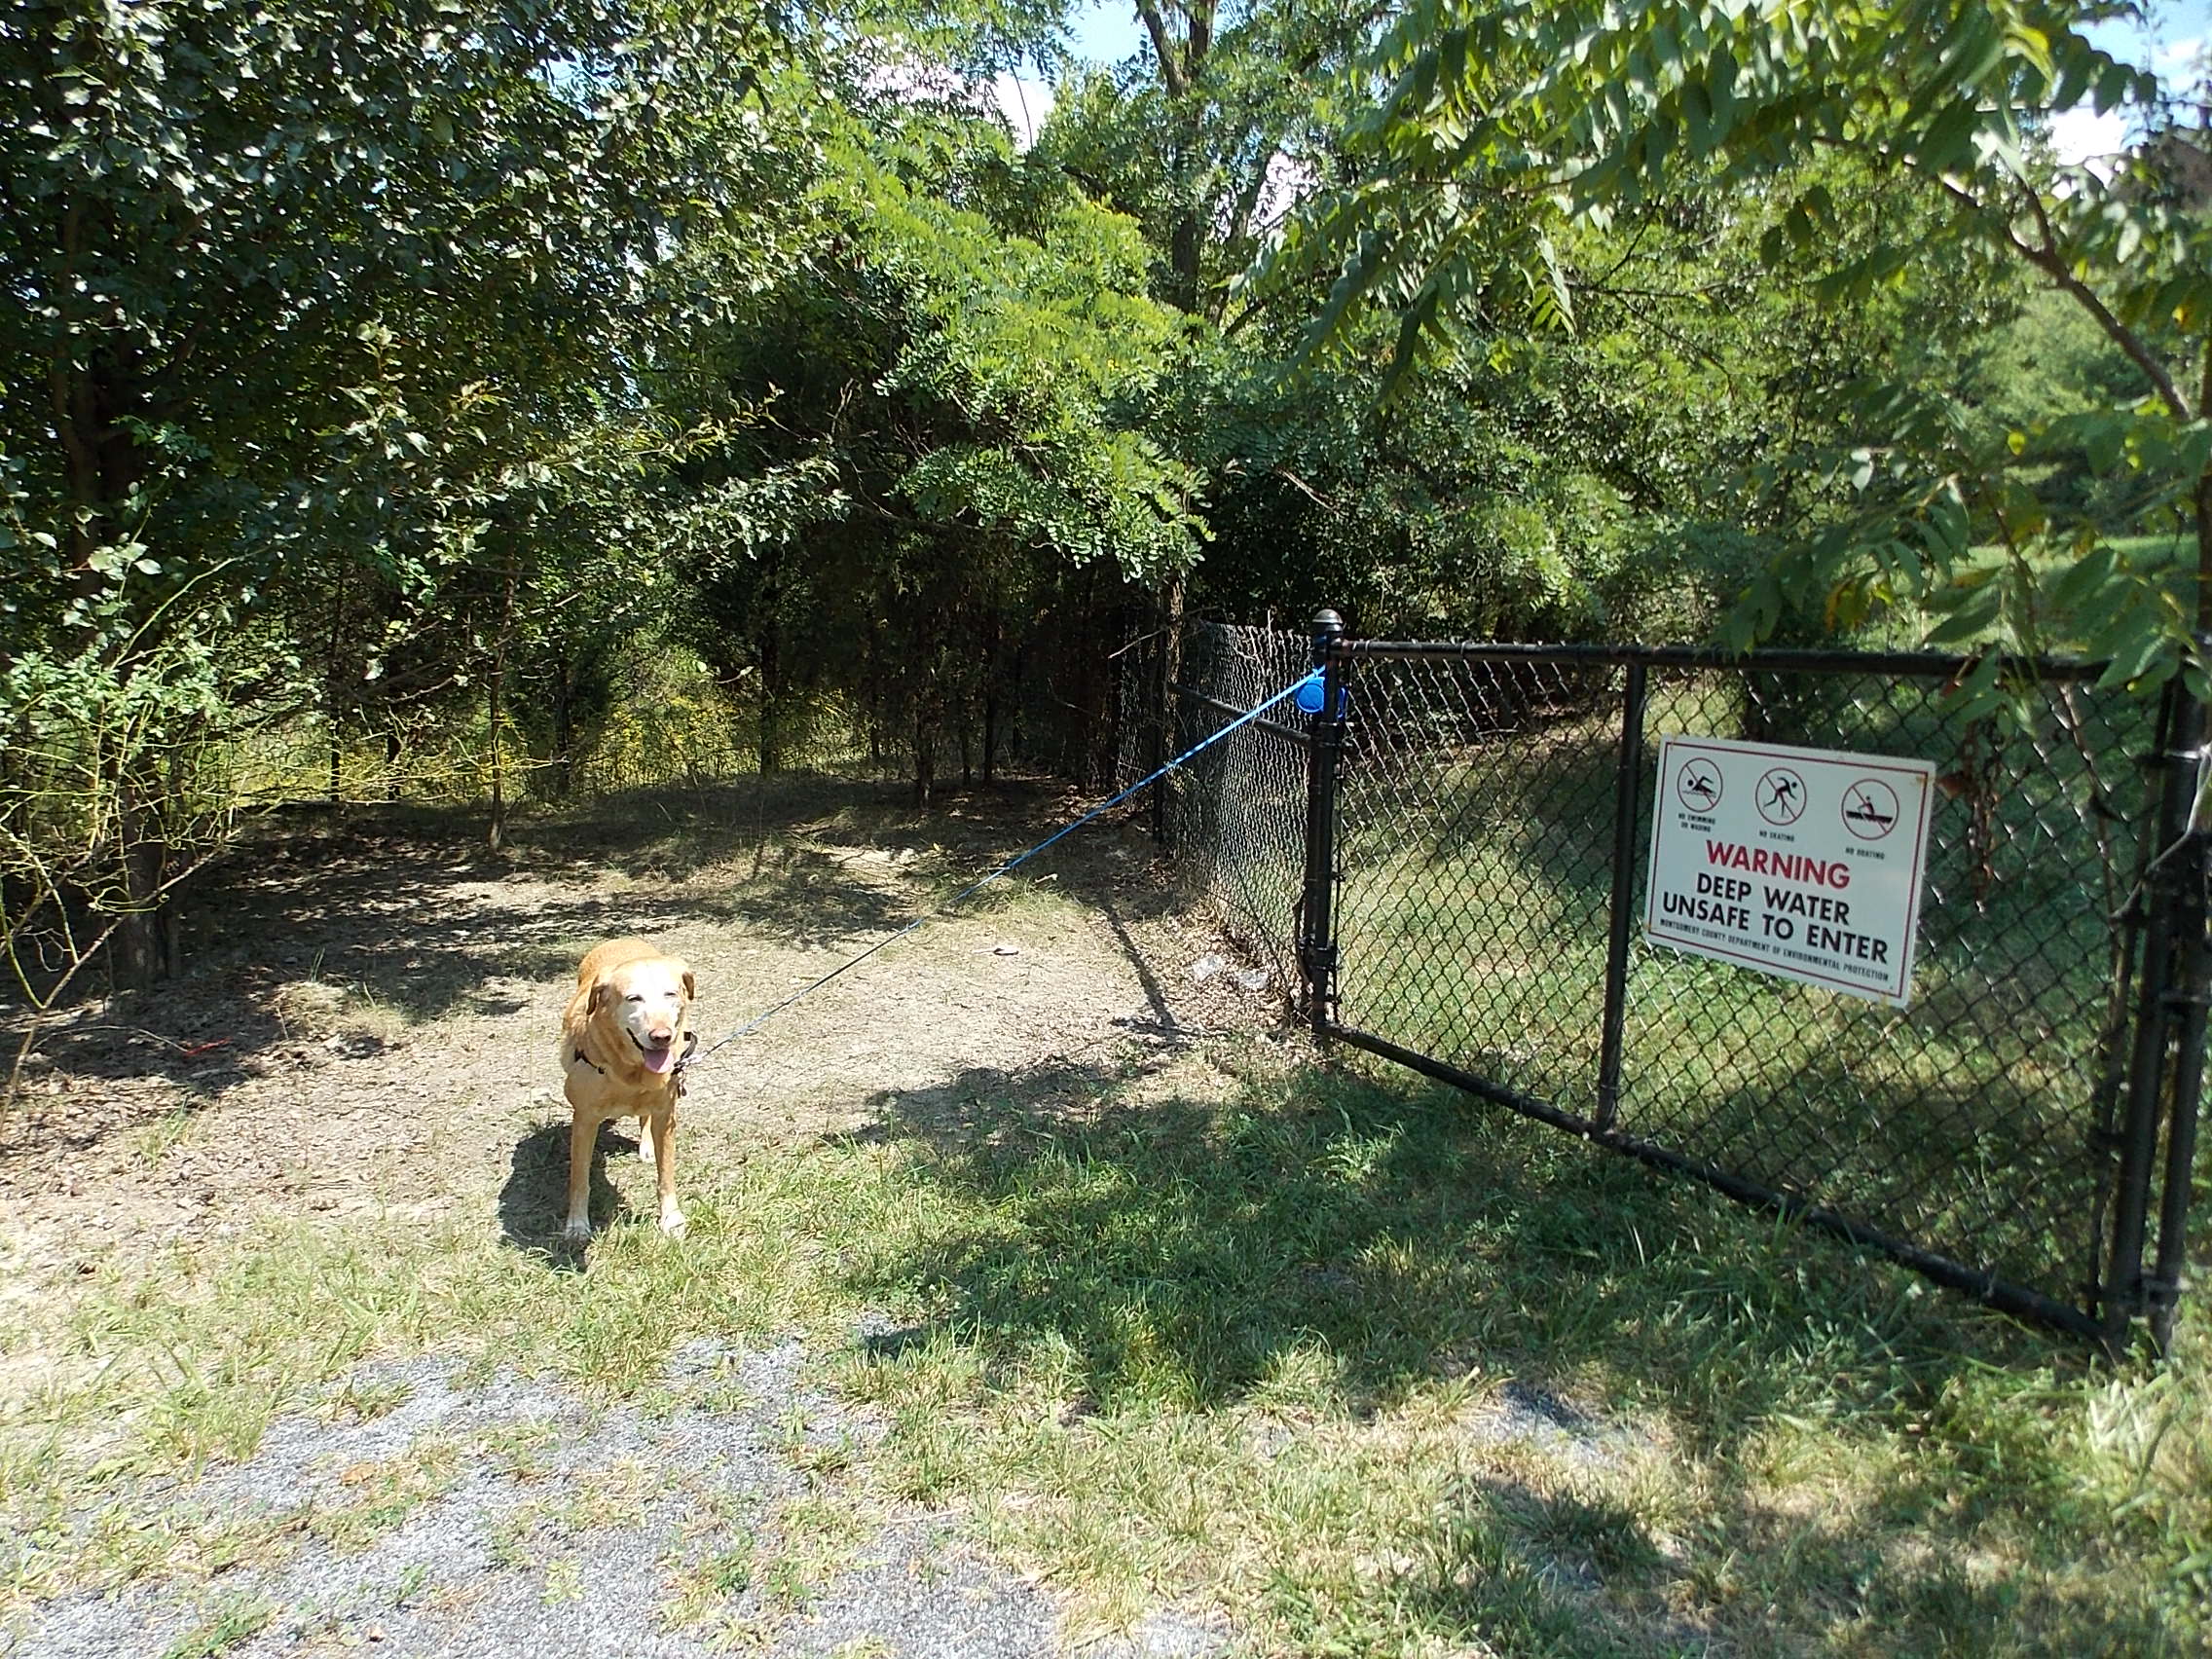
{"x": 1328, "y": 622}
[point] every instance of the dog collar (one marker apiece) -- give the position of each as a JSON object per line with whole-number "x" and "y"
{"x": 690, "y": 1054}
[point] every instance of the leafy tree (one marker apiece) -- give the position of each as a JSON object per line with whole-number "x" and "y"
{"x": 960, "y": 374}
{"x": 305, "y": 300}
{"x": 1502, "y": 130}
{"x": 1208, "y": 135}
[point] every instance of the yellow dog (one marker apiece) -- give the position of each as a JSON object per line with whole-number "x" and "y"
{"x": 624, "y": 1039}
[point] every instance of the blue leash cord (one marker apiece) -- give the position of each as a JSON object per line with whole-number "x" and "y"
{"x": 1016, "y": 863}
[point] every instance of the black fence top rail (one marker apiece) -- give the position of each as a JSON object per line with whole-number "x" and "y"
{"x": 1928, "y": 665}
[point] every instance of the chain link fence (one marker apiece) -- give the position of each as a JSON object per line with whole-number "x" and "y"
{"x": 1491, "y": 818}
{"x": 1235, "y": 816}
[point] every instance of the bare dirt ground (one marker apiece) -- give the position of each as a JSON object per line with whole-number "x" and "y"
{"x": 366, "y": 1027}
{"x": 371, "y": 1000}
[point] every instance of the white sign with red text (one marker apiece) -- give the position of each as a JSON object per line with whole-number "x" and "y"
{"x": 1802, "y": 863}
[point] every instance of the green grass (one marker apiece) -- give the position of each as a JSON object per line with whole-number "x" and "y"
{"x": 232, "y": 1622}
{"x": 1265, "y": 1340}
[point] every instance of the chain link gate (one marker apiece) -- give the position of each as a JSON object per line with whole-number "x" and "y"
{"x": 1475, "y": 824}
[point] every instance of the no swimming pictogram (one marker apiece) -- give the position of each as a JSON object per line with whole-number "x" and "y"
{"x": 1698, "y": 783}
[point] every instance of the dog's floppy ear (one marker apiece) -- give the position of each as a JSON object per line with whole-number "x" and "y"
{"x": 691, "y": 983}
{"x": 598, "y": 998}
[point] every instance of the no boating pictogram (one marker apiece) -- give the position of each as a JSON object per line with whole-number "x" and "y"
{"x": 1869, "y": 808}
{"x": 1780, "y": 796}
{"x": 1698, "y": 783}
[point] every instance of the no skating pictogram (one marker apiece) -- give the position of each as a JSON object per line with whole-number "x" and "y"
{"x": 1780, "y": 796}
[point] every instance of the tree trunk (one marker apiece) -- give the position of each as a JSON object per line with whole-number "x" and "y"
{"x": 993, "y": 640}
{"x": 498, "y": 830}
{"x": 1183, "y": 260}
{"x": 144, "y": 948}
{"x": 1169, "y": 661}
{"x": 1182, "y": 64}
{"x": 563, "y": 726}
{"x": 771, "y": 747}
{"x": 498, "y": 683}
{"x": 925, "y": 757}
{"x": 2205, "y": 526}
{"x": 333, "y": 691}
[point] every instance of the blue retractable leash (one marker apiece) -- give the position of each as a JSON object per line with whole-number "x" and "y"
{"x": 1309, "y": 694}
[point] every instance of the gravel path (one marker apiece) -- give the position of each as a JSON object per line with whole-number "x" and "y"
{"x": 484, "y": 1520}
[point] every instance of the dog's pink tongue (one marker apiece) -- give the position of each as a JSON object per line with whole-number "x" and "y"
{"x": 660, "y": 1059}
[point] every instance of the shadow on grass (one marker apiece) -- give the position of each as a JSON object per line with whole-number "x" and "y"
{"x": 533, "y": 1201}
{"x": 1172, "y": 1255}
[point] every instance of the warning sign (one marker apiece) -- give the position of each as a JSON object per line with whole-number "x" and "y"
{"x": 1802, "y": 863}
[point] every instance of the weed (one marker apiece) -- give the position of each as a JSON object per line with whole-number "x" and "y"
{"x": 384, "y": 1494}
{"x": 701, "y": 1589}
{"x": 563, "y": 1581}
{"x": 359, "y": 1401}
{"x": 161, "y": 1137}
{"x": 233, "y": 1622}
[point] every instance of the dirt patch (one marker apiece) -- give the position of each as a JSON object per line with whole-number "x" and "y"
{"x": 368, "y": 1020}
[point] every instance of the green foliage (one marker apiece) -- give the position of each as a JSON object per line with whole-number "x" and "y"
{"x": 320, "y": 315}
{"x": 292, "y": 271}
{"x": 1507, "y": 131}
{"x": 963, "y": 374}
{"x": 1476, "y": 504}
{"x": 442, "y": 360}
{"x": 1207, "y": 148}
{"x": 114, "y": 790}
{"x": 1028, "y": 355}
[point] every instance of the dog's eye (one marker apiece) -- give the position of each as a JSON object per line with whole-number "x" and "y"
{"x": 634, "y": 996}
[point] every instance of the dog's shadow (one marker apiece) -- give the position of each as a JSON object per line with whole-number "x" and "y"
{"x": 533, "y": 1204}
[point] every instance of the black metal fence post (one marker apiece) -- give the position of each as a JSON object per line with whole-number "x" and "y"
{"x": 1627, "y": 783}
{"x": 2185, "y": 1000}
{"x": 2126, "y": 1294}
{"x": 2162, "y": 1290}
{"x": 1316, "y": 936}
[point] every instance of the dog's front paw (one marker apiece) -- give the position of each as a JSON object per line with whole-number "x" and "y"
{"x": 671, "y": 1223}
{"x": 577, "y": 1232}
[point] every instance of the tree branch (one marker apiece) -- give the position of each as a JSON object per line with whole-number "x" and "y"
{"x": 2053, "y": 262}
{"x": 1162, "y": 48}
